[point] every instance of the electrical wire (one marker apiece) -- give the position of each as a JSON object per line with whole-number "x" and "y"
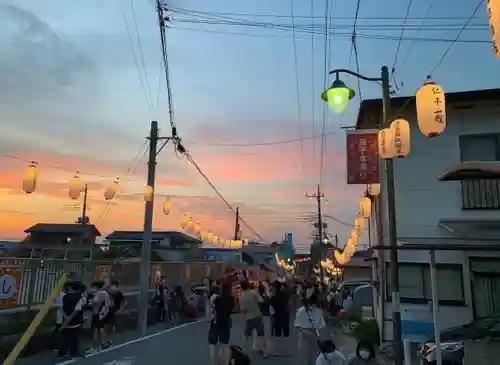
{"x": 457, "y": 37}
{"x": 219, "y": 194}
{"x": 412, "y": 44}
{"x": 297, "y": 87}
{"x": 136, "y": 62}
{"x": 408, "y": 8}
{"x": 372, "y": 36}
{"x": 139, "y": 157}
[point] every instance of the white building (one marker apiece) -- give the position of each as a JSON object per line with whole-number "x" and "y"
{"x": 433, "y": 212}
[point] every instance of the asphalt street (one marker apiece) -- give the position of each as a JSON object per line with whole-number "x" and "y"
{"x": 186, "y": 344}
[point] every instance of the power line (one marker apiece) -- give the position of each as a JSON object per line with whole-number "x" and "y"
{"x": 297, "y": 86}
{"x": 408, "y": 8}
{"x": 372, "y": 36}
{"x": 457, "y": 37}
{"x": 219, "y": 194}
{"x": 136, "y": 62}
{"x": 264, "y": 15}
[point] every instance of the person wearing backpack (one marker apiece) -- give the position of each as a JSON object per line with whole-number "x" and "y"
{"x": 72, "y": 311}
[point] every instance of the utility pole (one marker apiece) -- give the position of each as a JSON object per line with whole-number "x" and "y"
{"x": 237, "y": 225}
{"x": 84, "y": 219}
{"x": 318, "y": 195}
{"x": 145, "y": 268}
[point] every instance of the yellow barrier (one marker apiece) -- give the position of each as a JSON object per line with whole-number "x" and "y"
{"x": 35, "y": 323}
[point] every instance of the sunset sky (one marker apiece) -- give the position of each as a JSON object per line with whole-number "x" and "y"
{"x": 71, "y": 99}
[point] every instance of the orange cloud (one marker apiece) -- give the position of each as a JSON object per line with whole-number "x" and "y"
{"x": 173, "y": 182}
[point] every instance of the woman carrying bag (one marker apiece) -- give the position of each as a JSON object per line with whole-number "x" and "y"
{"x": 311, "y": 325}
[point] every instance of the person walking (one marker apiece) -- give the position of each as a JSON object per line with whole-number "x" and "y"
{"x": 265, "y": 309}
{"x": 219, "y": 332}
{"x": 280, "y": 302}
{"x": 311, "y": 324}
{"x": 250, "y": 302}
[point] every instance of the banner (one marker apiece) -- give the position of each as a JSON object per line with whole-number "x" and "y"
{"x": 362, "y": 157}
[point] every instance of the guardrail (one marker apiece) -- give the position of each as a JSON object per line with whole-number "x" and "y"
{"x": 35, "y": 278}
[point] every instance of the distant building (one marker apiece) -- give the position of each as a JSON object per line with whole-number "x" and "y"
{"x": 57, "y": 234}
{"x": 359, "y": 267}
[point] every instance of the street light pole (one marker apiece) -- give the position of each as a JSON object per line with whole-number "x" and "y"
{"x": 340, "y": 95}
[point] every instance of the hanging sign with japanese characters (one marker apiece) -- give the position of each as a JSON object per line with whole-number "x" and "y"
{"x": 431, "y": 109}
{"x": 362, "y": 157}
{"x": 494, "y": 21}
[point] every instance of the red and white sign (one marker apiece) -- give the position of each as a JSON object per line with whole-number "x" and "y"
{"x": 9, "y": 286}
{"x": 362, "y": 157}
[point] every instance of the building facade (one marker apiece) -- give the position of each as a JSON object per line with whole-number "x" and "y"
{"x": 432, "y": 212}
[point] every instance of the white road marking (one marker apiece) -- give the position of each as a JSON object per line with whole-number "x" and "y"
{"x": 127, "y": 343}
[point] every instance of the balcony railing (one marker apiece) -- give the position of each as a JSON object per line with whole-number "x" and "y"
{"x": 481, "y": 194}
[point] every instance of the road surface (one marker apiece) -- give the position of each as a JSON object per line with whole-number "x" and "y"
{"x": 186, "y": 344}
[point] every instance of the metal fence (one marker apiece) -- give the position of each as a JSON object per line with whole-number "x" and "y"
{"x": 37, "y": 277}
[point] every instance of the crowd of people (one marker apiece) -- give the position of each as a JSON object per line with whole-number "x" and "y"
{"x": 269, "y": 309}
{"x": 94, "y": 308}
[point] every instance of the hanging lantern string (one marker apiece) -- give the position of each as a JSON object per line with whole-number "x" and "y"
{"x": 55, "y": 167}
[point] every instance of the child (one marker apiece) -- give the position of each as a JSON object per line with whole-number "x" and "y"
{"x": 72, "y": 306}
{"x": 329, "y": 354}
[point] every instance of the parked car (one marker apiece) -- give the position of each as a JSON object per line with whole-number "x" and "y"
{"x": 348, "y": 287}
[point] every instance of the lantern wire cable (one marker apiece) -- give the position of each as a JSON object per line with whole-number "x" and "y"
{"x": 139, "y": 157}
{"x": 456, "y": 38}
{"x": 219, "y": 194}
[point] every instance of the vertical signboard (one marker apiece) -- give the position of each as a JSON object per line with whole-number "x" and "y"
{"x": 9, "y": 286}
{"x": 362, "y": 157}
{"x": 494, "y": 21}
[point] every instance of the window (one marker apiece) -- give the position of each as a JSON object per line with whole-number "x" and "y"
{"x": 415, "y": 284}
{"x": 480, "y": 193}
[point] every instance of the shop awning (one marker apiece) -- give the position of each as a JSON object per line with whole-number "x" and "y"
{"x": 472, "y": 170}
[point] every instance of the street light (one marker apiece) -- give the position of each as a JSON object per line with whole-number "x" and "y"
{"x": 337, "y": 97}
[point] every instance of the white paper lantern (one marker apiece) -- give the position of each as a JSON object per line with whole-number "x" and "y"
{"x": 385, "y": 144}
{"x": 190, "y": 225}
{"x": 401, "y": 137}
{"x": 431, "y": 109}
{"x": 167, "y": 206}
{"x": 359, "y": 224}
{"x": 29, "y": 180}
{"x": 149, "y": 193}
{"x": 75, "y": 187}
{"x": 184, "y": 220}
{"x": 215, "y": 240}
{"x": 210, "y": 236}
{"x": 373, "y": 189}
{"x": 111, "y": 190}
{"x": 494, "y": 20}
{"x": 197, "y": 228}
{"x": 365, "y": 207}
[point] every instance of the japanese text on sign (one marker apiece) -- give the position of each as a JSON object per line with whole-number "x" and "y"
{"x": 438, "y": 103}
{"x": 362, "y": 157}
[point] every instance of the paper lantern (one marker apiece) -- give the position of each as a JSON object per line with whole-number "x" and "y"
{"x": 354, "y": 235}
{"x": 148, "y": 193}
{"x": 197, "y": 228}
{"x": 75, "y": 187}
{"x": 190, "y": 225}
{"x": 431, "y": 109}
{"x": 359, "y": 224}
{"x": 385, "y": 144}
{"x": 167, "y": 206}
{"x": 210, "y": 236}
{"x": 111, "y": 190}
{"x": 215, "y": 240}
{"x": 401, "y": 137}
{"x": 184, "y": 220}
{"x": 365, "y": 207}
{"x": 29, "y": 180}
{"x": 494, "y": 20}
{"x": 373, "y": 189}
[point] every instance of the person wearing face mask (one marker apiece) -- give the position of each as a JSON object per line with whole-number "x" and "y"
{"x": 365, "y": 354}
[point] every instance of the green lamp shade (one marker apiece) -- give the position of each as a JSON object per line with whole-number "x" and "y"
{"x": 338, "y": 96}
